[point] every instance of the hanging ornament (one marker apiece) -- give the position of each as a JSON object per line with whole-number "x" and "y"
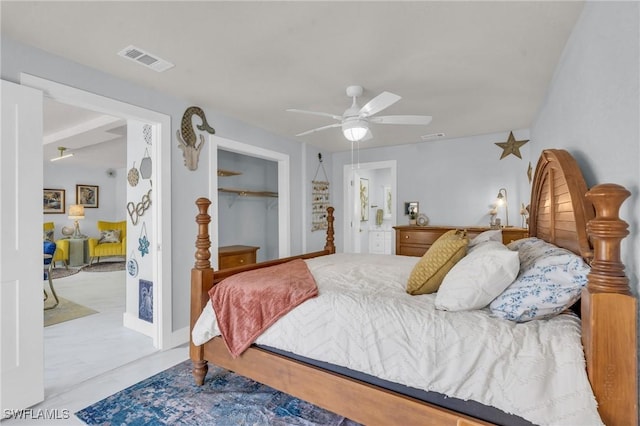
{"x": 145, "y": 165}
{"x": 132, "y": 264}
{"x": 143, "y": 241}
{"x": 133, "y": 175}
{"x": 147, "y": 133}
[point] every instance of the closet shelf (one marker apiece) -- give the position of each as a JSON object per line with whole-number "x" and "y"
{"x": 222, "y": 172}
{"x": 247, "y": 193}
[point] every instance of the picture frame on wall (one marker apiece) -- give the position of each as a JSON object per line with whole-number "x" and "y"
{"x": 388, "y": 202}
{"x": 364, "y": 200}
{"x": 53, "y": 201}
{"x": 87, "y": 196}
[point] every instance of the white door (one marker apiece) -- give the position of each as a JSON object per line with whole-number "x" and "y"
{"x": 21, "y": 270}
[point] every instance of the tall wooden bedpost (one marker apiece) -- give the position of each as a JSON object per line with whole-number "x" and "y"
{"x": 201, "y": 274}
{"x": 609, "y": 312}
{"x": 329, "y": 246}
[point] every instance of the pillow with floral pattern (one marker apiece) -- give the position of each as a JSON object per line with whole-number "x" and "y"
{"x": 550, "y": 280}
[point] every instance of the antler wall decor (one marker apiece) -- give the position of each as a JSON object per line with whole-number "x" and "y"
{"x": 188, "y": 138}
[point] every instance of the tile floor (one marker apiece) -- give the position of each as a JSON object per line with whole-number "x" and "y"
{"x": 90, "y": 358}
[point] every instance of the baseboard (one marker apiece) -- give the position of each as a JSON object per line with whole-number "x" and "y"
{"x": 177, "y": 338}
{"x": 136, "y": 324}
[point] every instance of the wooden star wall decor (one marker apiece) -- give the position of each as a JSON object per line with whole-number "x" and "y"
{"x": 511, "y": 146}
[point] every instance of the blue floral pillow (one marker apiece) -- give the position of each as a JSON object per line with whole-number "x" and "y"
{"x": 550, "y": 280}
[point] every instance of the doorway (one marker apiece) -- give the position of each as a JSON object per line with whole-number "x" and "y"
{"x": 160, "y": 328}
{"x": 281, "y": 204}
{"x": 371, "y": 207}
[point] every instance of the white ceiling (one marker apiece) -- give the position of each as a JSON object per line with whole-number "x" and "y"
{"x": 476, "y": 67}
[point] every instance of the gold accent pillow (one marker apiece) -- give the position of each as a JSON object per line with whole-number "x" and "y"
{"x": 445, "y": 252}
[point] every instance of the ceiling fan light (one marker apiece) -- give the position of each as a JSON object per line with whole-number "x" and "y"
{"x": 355, "y": 130}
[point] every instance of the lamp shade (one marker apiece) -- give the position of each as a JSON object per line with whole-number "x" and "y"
{"x": 76, "y": 211}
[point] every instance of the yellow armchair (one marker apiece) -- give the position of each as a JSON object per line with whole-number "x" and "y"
{"x": 62, "y": 246}
{"x": 107, "y": 245}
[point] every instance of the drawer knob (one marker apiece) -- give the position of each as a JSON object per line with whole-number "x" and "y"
{"x": 241, "y": 260}
{"x": 406, "y": 237}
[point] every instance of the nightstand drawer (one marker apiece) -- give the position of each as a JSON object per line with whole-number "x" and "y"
{"x": 234, "y": 256}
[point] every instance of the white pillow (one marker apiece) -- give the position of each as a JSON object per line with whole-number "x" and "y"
{"x": 490, "y": 235}
{"x": 550, "y": 281}
{"x": 478, "y": 277}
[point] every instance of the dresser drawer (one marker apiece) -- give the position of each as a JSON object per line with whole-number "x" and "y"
{"x": 234, "y": 256}
{"x": 426, "y": 237}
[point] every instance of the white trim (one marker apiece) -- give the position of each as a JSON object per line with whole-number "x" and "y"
{"x": 161, "y": 154}
{"x": 284, "y": 193}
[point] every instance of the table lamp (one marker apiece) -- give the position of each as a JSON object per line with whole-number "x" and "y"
{"x": 76, "y": 212}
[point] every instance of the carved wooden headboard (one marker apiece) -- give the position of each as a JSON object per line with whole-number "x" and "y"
{"x": 560, "y": 210}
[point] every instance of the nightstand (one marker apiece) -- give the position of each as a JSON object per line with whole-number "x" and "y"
{"x": 233, "y": 256}
{"x": 78, "y": 251}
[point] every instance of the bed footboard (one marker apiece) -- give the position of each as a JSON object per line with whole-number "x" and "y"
{"x": 203, "y": 277}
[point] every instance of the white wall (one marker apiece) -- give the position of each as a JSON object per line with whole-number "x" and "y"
{"x": 455, "y": 181}
{"x": 111, "y": 196}
{"x": 592, "y": 107}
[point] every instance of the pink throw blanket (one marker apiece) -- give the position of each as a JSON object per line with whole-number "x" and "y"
{"x": 248, "y": 303}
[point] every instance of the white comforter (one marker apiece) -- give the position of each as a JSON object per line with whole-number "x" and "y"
{"x": 364, "y": 320}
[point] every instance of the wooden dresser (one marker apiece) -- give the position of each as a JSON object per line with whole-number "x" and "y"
{"x": 232, "y": 256}
{"x": 415, "y": 240}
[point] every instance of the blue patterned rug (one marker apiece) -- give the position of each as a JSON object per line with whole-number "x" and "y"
{"x": 171, "y": 398}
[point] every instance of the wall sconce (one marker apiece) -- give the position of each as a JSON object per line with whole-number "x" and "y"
{"x": 502, "y": 201}
{"x": 76, "y": 212}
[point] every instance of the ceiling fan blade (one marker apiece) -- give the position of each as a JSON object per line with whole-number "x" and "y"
{"x": 377, "y": 104}
{"x": 319, "y": 128}
{"x": 323, "y": 114}
{"x": 401, "y": 119}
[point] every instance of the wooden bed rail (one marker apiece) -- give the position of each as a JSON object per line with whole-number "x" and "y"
{"x": 609, "y": 313}
{"x": 203, "y": 277}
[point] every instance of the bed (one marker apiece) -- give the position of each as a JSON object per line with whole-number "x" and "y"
{"x": 563, "y": 213}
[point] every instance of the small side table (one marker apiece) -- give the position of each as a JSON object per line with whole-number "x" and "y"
{"x": 77, "y": 251}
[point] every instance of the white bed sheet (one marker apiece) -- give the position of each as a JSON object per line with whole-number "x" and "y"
{"x": 364, "y": 320}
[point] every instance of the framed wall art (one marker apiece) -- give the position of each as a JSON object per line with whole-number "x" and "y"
{"x": 388, "y": 202}
{"x": 87, "y": 195}
{"x": 364, "y": 199}
{"x": 53, "y": 201}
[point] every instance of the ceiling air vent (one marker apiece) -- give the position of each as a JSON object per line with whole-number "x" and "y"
{"x": 145, "y": 58}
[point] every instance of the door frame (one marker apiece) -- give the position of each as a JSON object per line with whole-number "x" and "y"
{"x": 284, "y": 197}
{"x": 351, "y": 224}
{"x": 161, "y": 158}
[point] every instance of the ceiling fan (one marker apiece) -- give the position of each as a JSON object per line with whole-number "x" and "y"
{"x": 355, "y": 120}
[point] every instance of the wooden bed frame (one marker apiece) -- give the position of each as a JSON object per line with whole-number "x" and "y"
{"x": 562, "y": 212}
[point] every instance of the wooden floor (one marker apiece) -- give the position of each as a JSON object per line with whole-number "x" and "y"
{"x": 90, "y": 358}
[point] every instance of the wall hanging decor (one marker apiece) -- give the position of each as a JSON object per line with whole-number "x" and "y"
{"x": 319, "y": 199}
{"x": 143, "y": 241}
{"x": 133, "y": 176}
{"x": 529, "y": 171}
{"x": 53, "y": 201}
{"x": 145, "y": 165}
{"x": 388, "y": 202}
{"x": 87, "y": 196}
{"x": 145, "y": 298}
{"x": 364, "y": 199}
{"x": 511, "y": 146}
{"x": 188, "y": 138}
{"x": 147, "y": 133}
{"x": 137, "y": 210}
{"x": 132, "y": 265}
